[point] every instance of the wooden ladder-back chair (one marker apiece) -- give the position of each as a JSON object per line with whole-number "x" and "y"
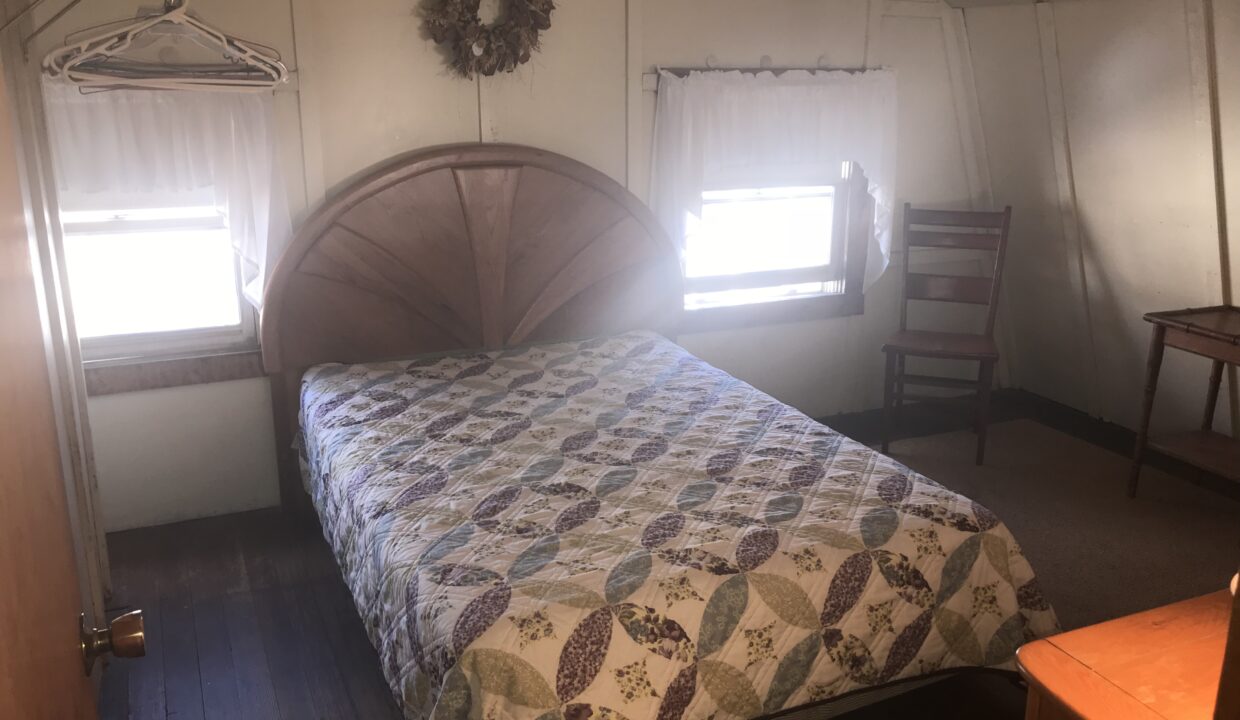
{"x": 947, "y": 230}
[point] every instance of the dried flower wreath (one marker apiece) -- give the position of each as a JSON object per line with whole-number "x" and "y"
{"x": 487, "y": 49}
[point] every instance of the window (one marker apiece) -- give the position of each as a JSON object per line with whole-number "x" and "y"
{"x": 777, "y": 254}
{"x": 763, "y": 244}
{"x": 154, "y": 281}
{"x": 746, "y": 178}
{"x": 169, "y": 220}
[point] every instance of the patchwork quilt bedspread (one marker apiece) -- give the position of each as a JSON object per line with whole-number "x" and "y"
{"x": 615, "y": 529}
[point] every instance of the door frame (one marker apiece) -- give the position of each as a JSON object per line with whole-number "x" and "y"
{"x": 22, "y": 78}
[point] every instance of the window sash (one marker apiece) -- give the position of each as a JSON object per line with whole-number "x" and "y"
{"x": 126, "y": 226}
{"x": 855, "y": 210}
{"x": 114, "y": 349}
{"x": 762, "y": 279}
{"x": 832, "y": 272}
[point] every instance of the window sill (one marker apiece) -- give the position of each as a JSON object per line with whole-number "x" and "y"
{"x": 792, "y": 310}
{"x": 110, "y": 377}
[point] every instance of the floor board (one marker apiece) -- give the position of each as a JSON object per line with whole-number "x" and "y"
{"x": 247, "y": 618}
{"x": 256, "y": 694}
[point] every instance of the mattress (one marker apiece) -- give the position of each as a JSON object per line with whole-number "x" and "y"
{"x": 613, "y": 528}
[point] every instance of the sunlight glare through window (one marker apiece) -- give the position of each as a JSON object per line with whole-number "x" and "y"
{"x": 150, "y": 271}
{"x": 751, "y": 296}
{"x": 757, "y": 230}
{"x": 763, "y": 229}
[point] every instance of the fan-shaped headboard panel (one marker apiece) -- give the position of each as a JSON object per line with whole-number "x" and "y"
{"x": 463, "y": 247}
{"x": 468, "y": 246}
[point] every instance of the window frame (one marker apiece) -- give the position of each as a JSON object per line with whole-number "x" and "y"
{"x": 830, "y": 272}
{"x": 131, "y": 348}
{"x": 853, "y": 219}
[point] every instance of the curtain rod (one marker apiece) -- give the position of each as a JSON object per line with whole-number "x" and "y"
{"x": 46, "y": 24}
{"x": 684, "y": 71}
{"x": 20, "y": 14}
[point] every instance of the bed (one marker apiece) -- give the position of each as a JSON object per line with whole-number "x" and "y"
{"x": 546, "y": 509}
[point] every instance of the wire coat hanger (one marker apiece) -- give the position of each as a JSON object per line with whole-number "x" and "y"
{"x": 97, "y": 61}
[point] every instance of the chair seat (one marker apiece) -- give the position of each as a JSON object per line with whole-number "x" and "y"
{"x": 943, "y": 345}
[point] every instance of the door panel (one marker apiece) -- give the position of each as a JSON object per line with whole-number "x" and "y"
{"x": 40, "y": 658}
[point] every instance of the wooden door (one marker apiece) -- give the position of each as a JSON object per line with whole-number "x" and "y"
{"x": 41, "y": 673}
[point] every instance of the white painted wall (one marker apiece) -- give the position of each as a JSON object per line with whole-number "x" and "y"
{"x": 1114, "y": 91}
{"x": 369, "y": 85}
{"x": 1227, "y": 23}
{"x": 179, "y": 453}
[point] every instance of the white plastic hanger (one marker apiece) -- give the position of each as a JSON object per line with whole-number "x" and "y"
{"x": 97, "y": 61}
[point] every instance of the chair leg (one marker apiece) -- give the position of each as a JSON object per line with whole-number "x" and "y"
{"x": 897, "y": 415}
{"x": 889, "y": 380}
{"x": 986, "y": 377}
{"x": 899, "y": 386}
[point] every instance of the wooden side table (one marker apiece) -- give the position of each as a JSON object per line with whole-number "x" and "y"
{"x": 1212, "y": 332}
{"x": 1162, "y": 664}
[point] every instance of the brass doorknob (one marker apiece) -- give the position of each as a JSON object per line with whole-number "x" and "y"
{"x": 124, "y": 637}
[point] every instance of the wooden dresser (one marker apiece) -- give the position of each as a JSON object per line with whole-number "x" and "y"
{"x": 1162, "y": 664}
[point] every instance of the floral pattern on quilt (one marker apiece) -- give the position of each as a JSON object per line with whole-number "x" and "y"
{"x": 613, "y": 528}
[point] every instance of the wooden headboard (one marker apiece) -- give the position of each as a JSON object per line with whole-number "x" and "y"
{"x": 462, "y": 247}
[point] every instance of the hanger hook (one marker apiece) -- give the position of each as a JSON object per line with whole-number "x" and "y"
{"x": 170, "y": 5}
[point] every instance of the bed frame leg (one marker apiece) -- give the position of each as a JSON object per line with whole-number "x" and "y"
{"x": 293, "y": 498}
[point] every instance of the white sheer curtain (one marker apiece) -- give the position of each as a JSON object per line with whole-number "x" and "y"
{"x": 161, "y": 142}
{"x": 725, "y": 130}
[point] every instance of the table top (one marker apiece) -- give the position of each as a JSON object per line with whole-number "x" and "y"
{"x": 1220, "y": 321}
{"x": 1159, "y": 664}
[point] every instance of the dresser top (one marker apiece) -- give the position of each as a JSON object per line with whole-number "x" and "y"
{"x": 1159, "y": 664}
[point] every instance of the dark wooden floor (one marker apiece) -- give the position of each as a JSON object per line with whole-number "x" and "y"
{"x": 246, "y": 617}
{"x": 972, "y": 696}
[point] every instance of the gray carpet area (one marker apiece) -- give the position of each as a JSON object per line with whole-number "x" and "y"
{"x": 1098, "y": 554}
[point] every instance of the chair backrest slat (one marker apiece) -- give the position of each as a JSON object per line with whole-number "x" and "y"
{"x": 948, "y": 288}
{"x": 955, "y": 218}
{"x": 953, "y": 240}
{"x": 955, "y": 230}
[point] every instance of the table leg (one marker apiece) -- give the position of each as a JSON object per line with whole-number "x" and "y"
{"x": 1216, "y": 379}
{"x": 1153, "y": 365}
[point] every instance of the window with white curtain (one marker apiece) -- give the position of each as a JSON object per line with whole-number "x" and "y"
{"x": 172, "y": 214}
{"x": 777, "y": 188}
{"x": 118, "y": 259}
